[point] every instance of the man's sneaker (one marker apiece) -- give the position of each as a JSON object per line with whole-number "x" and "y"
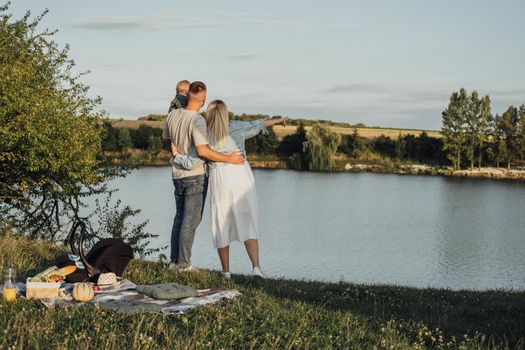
{"x": 189, "y": 268}
{"x": 226, "y": 275}
{"x": 257, "y": 272}
{"x": 184, "y": 268}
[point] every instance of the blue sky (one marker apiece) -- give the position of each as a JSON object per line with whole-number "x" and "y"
{"x": 387, "y": 63}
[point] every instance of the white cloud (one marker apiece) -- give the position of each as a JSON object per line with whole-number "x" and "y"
{"x": 160, "y": 22}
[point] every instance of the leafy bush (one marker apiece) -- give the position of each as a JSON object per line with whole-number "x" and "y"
{"x": 114, "y": 221}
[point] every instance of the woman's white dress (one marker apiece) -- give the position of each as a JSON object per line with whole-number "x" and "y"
{"x": 234, "y": 209}
{"x": 234, "y": 212}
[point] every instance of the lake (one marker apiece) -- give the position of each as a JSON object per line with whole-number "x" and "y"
{"x": 366, "y": 228}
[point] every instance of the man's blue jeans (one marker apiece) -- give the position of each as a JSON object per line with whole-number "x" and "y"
{"x": 190, "y": 195}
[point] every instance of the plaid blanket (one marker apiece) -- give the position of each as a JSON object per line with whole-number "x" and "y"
{"x": 124, "y": 298}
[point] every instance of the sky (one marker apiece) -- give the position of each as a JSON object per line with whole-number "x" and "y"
{"x": 385, "y": 63}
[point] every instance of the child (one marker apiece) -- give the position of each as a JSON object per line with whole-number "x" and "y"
{"x": 181, "y": 99}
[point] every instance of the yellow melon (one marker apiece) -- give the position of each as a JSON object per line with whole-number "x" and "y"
{"x": 83, "y": 292}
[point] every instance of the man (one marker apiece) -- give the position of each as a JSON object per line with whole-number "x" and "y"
{"x": 186, "y": 128}
{"x": 181, "y": 98}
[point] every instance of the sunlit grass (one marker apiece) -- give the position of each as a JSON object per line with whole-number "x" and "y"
{"x": 272, "y": 314}
{"x": 363, "y": 132}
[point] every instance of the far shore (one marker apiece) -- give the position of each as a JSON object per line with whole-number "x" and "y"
{"x": 142, "y": 158}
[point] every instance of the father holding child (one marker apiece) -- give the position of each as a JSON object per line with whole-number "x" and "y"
{"x": 186, "y": 128}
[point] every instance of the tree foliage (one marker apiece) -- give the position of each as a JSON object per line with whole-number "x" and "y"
{"x": 521, "y": 135}
{"x": 453, "y": 129}
{"x": 50, "y": 134}
{"x": 470, "y": 131}
{"x": 50, "y": 139}
{"x": 320, "y": 146}
{"x": 509, "y": 126}
{"x": 264, "y": 143}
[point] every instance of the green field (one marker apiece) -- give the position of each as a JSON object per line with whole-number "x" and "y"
{"x": 272, "y": 314}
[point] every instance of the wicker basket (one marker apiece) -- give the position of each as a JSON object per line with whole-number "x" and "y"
{"x": 41, "y": 290}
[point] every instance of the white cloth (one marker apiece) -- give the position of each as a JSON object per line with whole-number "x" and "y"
{"x": 234, "y": 210}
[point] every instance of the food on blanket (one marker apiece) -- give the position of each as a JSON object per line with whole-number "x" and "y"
{"x": 83, "y": 292}
{"x": 60, "y": 274}
{"x": 68, "y": 270}
{"x": 54, "y": 274}
{"x": 44, "y": 275}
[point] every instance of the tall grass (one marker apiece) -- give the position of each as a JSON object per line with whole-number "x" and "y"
{"x": 272, "y": 314}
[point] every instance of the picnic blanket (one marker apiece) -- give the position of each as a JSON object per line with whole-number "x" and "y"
{"x": 125, "y": 298}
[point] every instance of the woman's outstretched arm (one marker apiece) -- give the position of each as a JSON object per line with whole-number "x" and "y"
{"x": 276, "y": 121}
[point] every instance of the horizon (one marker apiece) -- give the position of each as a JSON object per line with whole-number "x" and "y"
{"x": 380, "y": 64}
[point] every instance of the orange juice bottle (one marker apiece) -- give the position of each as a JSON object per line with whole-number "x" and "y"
{"x": 9, "y": 290}
{"x": 9, "y": 293}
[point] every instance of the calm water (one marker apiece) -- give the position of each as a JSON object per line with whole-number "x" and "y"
{"x": 367, "y": 228}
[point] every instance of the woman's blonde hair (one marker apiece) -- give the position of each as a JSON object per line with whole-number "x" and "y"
{"x": 218, "y": 120}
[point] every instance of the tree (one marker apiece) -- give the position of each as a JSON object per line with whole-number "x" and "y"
{"x": 509, "y": 130}
{"x": 124, "y": 139}
{"x": 484, "y": 119}
{"x": 521, "y": 135}
{"x": 154, "y": 143}
{"x": 50, "y": 136}
{"x": 356, "y": 143}
{"x": 263, "y": 143}
{"x": 472, "y": 127}
{"x": 411, "y": 147}
{"x": 384, "y": 145}
{"x": 292, "y": 146}
{"x": 141, "y": 137}
{"x": 453, "y": 128}
{"x": 320, "y": 146}
{"x": 425, "y": 151}
{"x": 497, "y": 149}
{"x": 110, "y": 139}
{"x": 400, "y": 147}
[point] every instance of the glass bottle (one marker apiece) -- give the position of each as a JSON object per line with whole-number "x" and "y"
{"x": 9, "y": 290}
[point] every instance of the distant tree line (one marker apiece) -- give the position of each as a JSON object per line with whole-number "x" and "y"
{"x": 471, "y": 134}
{"x": 311, "y": 151}
{"x": 144, "y": 137}
{"x": 250, "y": 117}
{"x": 314, "y": 150}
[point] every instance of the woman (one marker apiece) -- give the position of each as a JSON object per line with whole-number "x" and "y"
{"x": 234, "y": 213}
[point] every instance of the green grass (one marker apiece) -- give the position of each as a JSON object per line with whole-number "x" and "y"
{"x": 272, "y": 314}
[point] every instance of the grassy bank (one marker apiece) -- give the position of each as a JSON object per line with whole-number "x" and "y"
{"x": 135, "y": 157}
{"x": 273, "y": 313}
